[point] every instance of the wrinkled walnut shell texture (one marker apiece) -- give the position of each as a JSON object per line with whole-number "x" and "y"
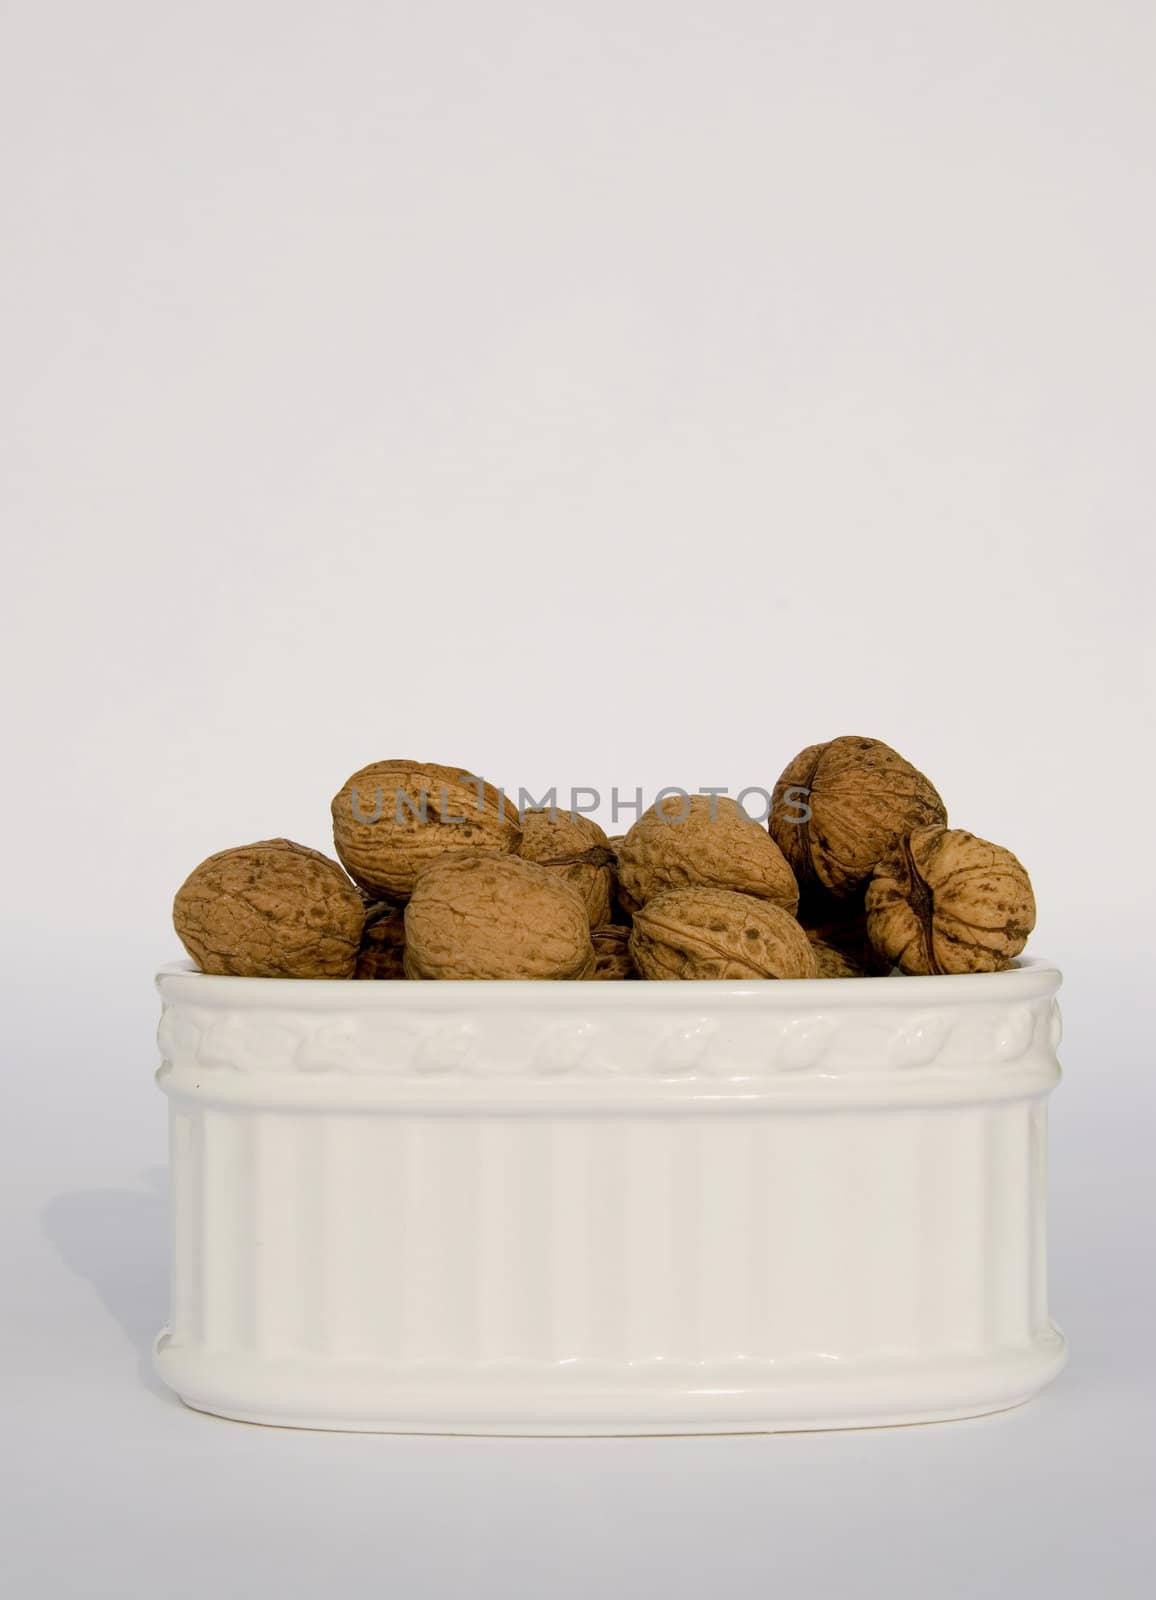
{"x": 835, "y": 963}
{"x": 386, "y": 855}
{"x": 947, "y": 902}
{"x": 612, "y": 958}
{"x": 496, "y": 917}
{"x": 273, "y": 909}
{"x": 382, "y": 952}
{"x": 862, "y": 796}
{"x": 713, "y": 846}
{"x": 578, "y": 850}
{"x": 716, "y": 933}
{"x": 841, "y": 926}
{"x": 618, "y": 908}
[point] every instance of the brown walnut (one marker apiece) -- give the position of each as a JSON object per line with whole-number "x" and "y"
{"x": 702, "y": 841}
{"x": 578, "y": 850}
{"x": 945, "y": 901}
{"x": 835, "y": 963}
{"x": 716, "y": 933}
{"x": 392, "y": 819}
{"x": 840, "y": 926}
{"x": 840, "y": 807}
{"x": 273, "y": 909}
{"x": 618, "y": 909}
{"x": 382, "y": 952}
{"x": 491, "y": 916}
{"x": 612, "y": 958}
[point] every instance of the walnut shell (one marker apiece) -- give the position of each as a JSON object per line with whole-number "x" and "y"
{"x": 945, "y": 901}
{"x": 835, "y": 963}
{"x": 612, "y": 958}
{"x": 618, "y": 910}
{"x": 840, "y": 807}
{"x": 382, "y": 952}
{"x": 496, "y": 917}
{"x": 577, "y": 849}
{"x": 840, "y": 926}
{"x": 714, "y": 845}
{"x": 273, "y": 909}
{"x": 454, "y": 812}
{"x": 716, "y": 933}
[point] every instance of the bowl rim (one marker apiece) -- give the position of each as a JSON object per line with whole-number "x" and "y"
{"x": 1027, "y": 979}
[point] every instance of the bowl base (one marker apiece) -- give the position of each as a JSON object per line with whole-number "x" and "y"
{"x": 592, "y": 1399}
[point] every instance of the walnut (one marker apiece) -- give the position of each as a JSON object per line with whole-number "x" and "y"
{"x": 618, "y": 909}
{"x": 382, "y": 953}
{"x": 716, "y": 933}
{"x": 393, "y": 818}
{"x": 835, "y": 963}
{"x": 840, "y": 926}
{"x": 577, "y": 849}
{"x": 945, "y": 901}
{"x": 702, "y": 841}
{"x": 496, "y": 917}
{"x": 273, "y": 909}
{"x": 612, "y": 958}
{"x": 840, "y": 807}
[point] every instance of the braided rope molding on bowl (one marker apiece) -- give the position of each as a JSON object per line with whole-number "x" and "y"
{"x": 934, "y": 1031}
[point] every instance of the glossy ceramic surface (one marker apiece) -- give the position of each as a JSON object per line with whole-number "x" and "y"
{"x": 608, "y": 1208}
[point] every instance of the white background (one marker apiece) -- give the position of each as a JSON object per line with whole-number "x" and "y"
{"x": 589, "y": 394}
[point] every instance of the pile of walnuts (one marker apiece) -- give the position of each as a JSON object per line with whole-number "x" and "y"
{"x": 855, "y": 874}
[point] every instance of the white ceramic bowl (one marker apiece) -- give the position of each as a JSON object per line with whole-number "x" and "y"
{"x": 608, "y": 1207}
